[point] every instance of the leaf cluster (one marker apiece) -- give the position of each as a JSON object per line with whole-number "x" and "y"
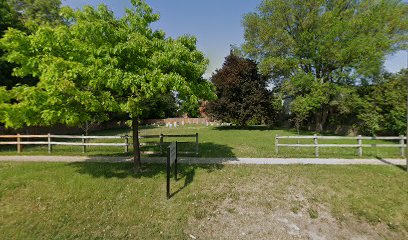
{"x": 96, "y": 64}
{"x": 382, "y": 108}
{"x": 242, "y": 94}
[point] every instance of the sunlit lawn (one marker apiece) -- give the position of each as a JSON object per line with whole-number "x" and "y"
{"x": 107, "y": 201}
{"x": 219, "y": 142}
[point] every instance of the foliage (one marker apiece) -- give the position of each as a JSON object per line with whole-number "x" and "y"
{"x": 312, "y": 96}
{"x": 383, "y": 108}
{"x": 25, "y": 15}
{"x": 8, "y": 16}
{"x": 241, "y": 91}
{"x": 117, "y": 66}
{"x": 162, "y": 106}
{"x": 37, "y": 12}
{"x": 330, "y": 45}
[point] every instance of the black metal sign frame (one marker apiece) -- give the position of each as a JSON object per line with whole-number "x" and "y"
{"x": 171, "y": 159}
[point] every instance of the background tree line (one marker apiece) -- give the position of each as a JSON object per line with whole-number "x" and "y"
{"x": 324, "y": 60}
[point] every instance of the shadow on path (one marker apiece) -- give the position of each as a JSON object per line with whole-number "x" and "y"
{"x": 402, "y": 167}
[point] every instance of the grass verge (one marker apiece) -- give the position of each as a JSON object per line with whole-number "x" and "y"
{"x": 106, "y": 200}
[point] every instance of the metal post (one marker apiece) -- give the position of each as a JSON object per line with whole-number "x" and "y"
{"x": 127, "y": 143}
{"x": 18, "y": 143}
{"x": 316, "y": 146}
{"x": 168, "y": 174}
{"x": 49, "y": 144}
{"x": 360, "y": 147}
{"x": 402, "y": 149}
{"x": 83, "y": 144}
{"x": 276, "y": 144}
{"x": 175, "y": 164}
{"x": 197, "y": 144}
{"x": 161, "y": 143}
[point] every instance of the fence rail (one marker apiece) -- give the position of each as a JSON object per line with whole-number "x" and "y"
{"x": 358, "y": 145}
{"x": 19, "y": 142}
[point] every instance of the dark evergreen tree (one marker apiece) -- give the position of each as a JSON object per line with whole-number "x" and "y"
{"x": 243, "y": 98}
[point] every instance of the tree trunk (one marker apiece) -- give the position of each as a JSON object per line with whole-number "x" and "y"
{"x": 136, "y": 145}
{"x": 321, "y": 118}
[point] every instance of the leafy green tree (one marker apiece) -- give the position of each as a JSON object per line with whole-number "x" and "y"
{"x": 25, "y": 15}
{"x": 98, "y": 64}
{"x": 9, "y": 17}
{"x": 383, "y": 108}
{"x": 162, "y": 106}
{"x": 241, "y": 91}
{"x": 330, "y": 45}
{"x": 37, "y": 12}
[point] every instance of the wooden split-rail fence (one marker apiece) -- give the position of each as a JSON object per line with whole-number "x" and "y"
{"x": 359, "y": 145}
{"x": 49, "y": 140}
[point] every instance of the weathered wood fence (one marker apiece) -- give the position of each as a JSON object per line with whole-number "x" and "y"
{"x": 48, "y": 140}
{"x": 358, "y": 145}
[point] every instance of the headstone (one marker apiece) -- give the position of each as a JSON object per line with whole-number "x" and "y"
{"x": 175, "y": 124}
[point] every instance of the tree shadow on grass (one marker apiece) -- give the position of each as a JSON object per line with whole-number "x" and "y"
{"x": 186, "y": 172}
{"x": 152, "y": 167}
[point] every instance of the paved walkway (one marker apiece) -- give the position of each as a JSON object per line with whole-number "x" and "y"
{"x": 279, "y": 161}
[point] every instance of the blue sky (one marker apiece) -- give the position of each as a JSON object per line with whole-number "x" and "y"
{"x": 216, "y": 23}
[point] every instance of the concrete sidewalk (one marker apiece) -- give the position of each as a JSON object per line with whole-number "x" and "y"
{"x": 189, "y": 160}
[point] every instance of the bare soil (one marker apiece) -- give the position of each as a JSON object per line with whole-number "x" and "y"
{"x": 250, "y": 212}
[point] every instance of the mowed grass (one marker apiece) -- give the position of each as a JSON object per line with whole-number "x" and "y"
{"x": 214, "y": 141}
{"x": 108, "y": 201}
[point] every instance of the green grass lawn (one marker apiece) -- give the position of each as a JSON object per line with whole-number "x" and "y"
{"x": 220, "y": 142}
{"x": 107, "y": 201}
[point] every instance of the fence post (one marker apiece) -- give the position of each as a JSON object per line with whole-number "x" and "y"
{"x": 175, "y": 164}
{"x": 316, "y": 146}
{"x": 276, "y": 144}
{"x": 161, "y": 142}
{"x": 18, "y": 143}
{"x": 126, "y": 143}
{"x": 360, "y": 147}
{"x": 197, "y": 144}
{"x": 83, "y": 146}
{"x": 49, "y": 144}
{"x": 168, "y": 174}
{"x": 402, "y": 149}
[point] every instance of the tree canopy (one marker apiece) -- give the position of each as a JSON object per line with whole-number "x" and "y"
{"x": 96, "y": 64}
{"x": 319, "y": 48}
{"x": 242, "y": 94}
{"x": 382, "y": 108}
{"x": 25, "y": 15}
{"x": 37, "y": 12}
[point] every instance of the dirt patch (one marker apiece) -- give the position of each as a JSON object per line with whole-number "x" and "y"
{"x": 249, "y": 211}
